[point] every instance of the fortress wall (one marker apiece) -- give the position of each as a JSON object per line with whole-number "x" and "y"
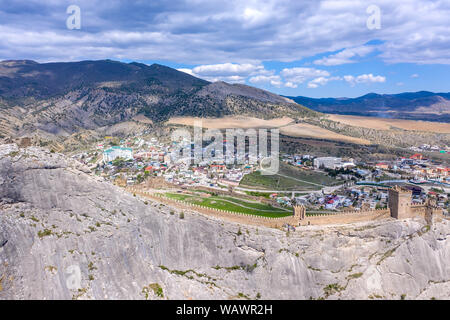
{"x": 224, "y": 214}
{"x": 347, "y": 217}
{"x": 408, "y": 211}
{"x": 321, "y": 219}
{"x": 421, "y": 209}
{"x": 417, "y": 210}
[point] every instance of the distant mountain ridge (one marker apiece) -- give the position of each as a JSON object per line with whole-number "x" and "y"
{"x": 422, "y": 105}
{"x": 62, "y": 98}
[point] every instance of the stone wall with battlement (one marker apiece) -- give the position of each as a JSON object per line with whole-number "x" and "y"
{"x": 346, "y": 217}
{"x": 300, "y": 217}
{"x": 420, "y": 210}
{"x": 224, "y": 214}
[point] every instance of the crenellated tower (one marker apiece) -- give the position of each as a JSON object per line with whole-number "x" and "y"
{"x": 400, "y": 202}
{"x": 299, "y": 212}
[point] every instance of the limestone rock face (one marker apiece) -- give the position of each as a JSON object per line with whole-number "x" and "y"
{"x": 65, "y": 234}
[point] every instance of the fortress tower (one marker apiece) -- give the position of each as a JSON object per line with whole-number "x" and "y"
{"x": 430, "y": 206}
{"x": 400, "y": 202}
{"x": 299, "y": 212}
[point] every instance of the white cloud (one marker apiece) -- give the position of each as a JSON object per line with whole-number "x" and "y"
{"x": 415, "y": 75}
{"x": 235, "y": 73}
{"x": 188, "y": 71}
{"x": 295, "y": 76}
{"x": 345, "y": 56}
{"x": 289, "y": 77}
{"x": 227, "y": 69}
{"x": 290, "y": 85}
{"x": 364, "y": 78}
{"x": 211, "y": 32}
{"x": 321, "y": 81}
{"x": 274, "y": 80}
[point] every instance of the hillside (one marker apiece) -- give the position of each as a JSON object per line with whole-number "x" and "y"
{"x": 63, "y": 105}
{"x": 55, "y": 218}
{"x": 59, "y": 99}
{"x": 422, "y": 105}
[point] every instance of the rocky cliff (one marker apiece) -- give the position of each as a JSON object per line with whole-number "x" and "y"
{"x": 65, "y": 234}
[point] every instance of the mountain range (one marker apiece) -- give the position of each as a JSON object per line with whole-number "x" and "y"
{"x": 64, "y": 98}
{"x": 422, "y": 105}
{"x": 71, "y": 102}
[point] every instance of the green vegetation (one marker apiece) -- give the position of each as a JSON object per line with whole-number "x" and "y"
{"x": 253, "y": 205}
{"x": 91, "y": 266}
{"x": 155, "y": 287}
{"x": 44, "y": 233}
{"x": 231, "y": 204}
{"x": 332, "y": 289}
{"x": 423, "y": 230}
{"x": 247, "y": 268}
{"x": 355, "y": 275}
{"x": 258, "y": 194}
{"x": 314, "y": 269}
{"x": 51, "y": 269}
{"x": 288, "y": 178}
{"x": 387, "y": 254}
{"x": 81, "y": 292}
{"x": 437, "y": 190}
{"x": 242, "y": 295}
{"x": 188, "y": 274}
{"x": 119, "y": 162}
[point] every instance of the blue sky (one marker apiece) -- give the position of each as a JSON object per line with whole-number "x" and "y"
{"x": 311, "y": 48}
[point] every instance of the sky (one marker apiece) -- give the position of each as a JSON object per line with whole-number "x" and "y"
{"x": 309, "y": 48}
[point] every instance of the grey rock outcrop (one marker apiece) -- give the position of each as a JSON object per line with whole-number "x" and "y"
{"x": 56, "y": 219}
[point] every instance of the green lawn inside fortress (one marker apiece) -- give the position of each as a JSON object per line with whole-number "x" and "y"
{"x": 232, "y": 204}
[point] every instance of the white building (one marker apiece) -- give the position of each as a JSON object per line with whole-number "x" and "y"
{"x": 331, "y": 163}
{"x": 117, "y": 152}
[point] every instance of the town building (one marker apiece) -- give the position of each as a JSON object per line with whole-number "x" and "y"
{"x": 117, "y": 152}
{"x": 331, "y": 163}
